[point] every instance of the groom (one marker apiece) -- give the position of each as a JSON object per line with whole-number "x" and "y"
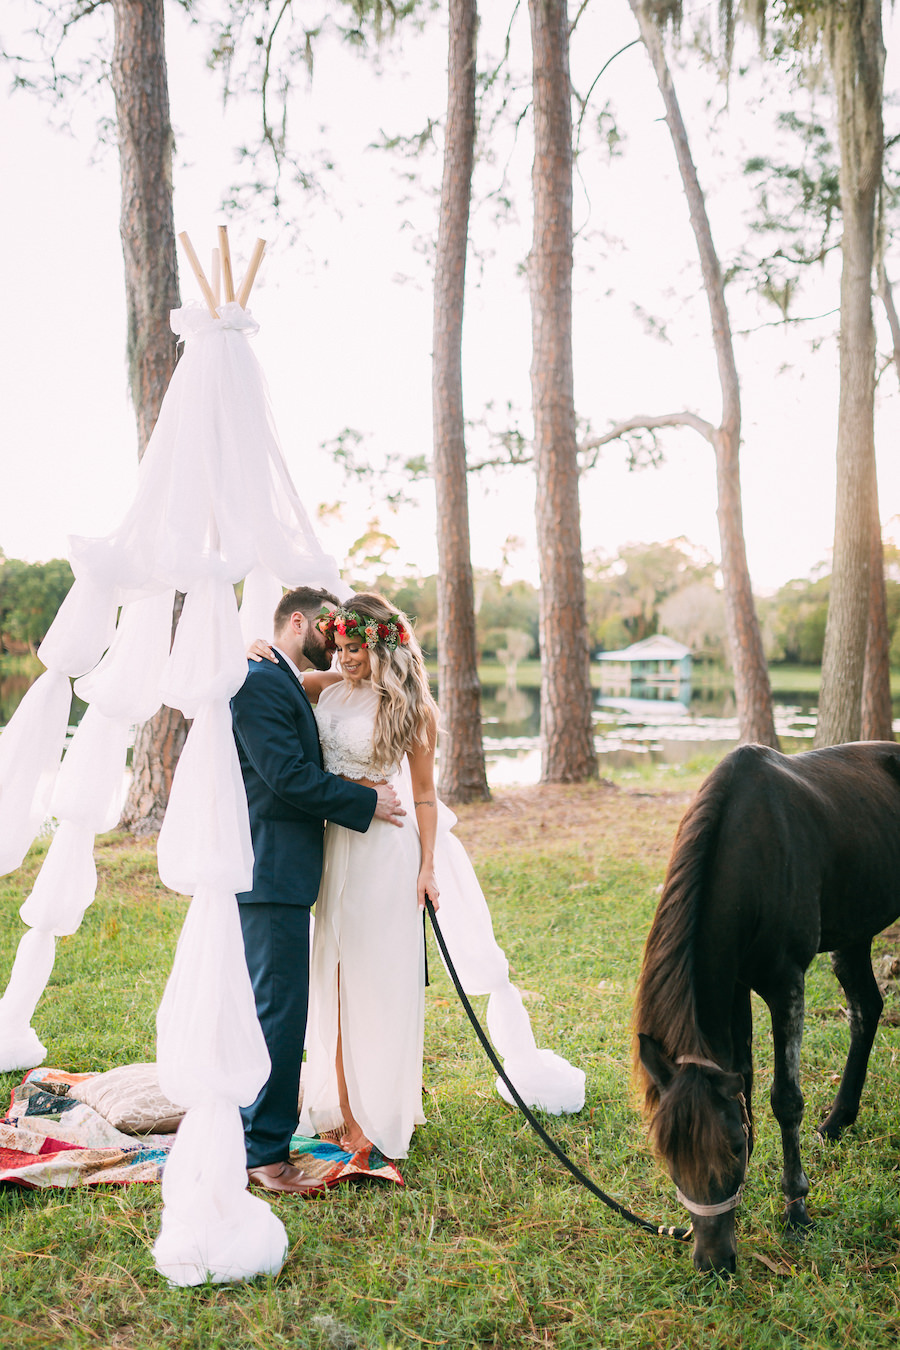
{"x": 290, "y": 797}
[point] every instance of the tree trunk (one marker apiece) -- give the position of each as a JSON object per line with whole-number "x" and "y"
{"x": 856, "y": 52}
{"x": 462, "y": 772}
{"x": 157, "y": 745}
{"x": 151, "y": 288}
{"x": 147, "y": 224}
{"x": 566, "y": 730}
{"x": 877, "y": 711}
{"x": 753, "y": 694}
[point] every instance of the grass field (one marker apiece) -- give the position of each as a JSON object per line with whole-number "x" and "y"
{"x": 491, "y": 1244}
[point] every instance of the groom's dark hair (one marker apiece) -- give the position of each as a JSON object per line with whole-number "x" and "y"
{"x": 305, "y": 598}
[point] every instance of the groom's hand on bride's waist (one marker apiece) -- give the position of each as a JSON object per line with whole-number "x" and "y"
{"x": 388, "y": 807}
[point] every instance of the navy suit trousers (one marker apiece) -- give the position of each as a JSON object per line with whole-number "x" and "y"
{"x": 276, "y": 942}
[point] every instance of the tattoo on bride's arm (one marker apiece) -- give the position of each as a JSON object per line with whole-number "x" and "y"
{"x": 423, "y": 803}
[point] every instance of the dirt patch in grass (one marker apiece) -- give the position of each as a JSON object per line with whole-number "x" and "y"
{"x": 556, "y": 817}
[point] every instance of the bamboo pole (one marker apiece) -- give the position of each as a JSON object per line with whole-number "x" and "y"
{"x": 199, "y": 273}
{"x": 243, "y": 296}
{"x": 217, "y": 275}
{"x": 227, "y": 277}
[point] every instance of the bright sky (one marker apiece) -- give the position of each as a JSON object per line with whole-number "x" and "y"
{"x": 345, "y": 309}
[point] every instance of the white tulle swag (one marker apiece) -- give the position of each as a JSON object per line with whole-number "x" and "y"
{"x": 30, "y": 750}
{"x": 90, "y": 787}
{"x": 208, "y": 660}
{"x": 259, "y": 599}
{"x": 66, "y": 883}
{"x": 20, "y": 1047}
{"x": 209, "y": 1043}
{"x": 83, "y": 627}
{"x": 205, "y": 837}
{"x": 127, "y": 682}
{"x": 212, "y": 1227}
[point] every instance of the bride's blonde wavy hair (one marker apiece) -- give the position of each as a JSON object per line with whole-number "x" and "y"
{"x": 407, "y": 714}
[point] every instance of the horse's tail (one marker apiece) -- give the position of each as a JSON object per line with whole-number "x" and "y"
{"x": 666, "y": 1004}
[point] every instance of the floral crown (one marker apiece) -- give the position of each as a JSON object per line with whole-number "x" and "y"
{"x": 346, "y": 622}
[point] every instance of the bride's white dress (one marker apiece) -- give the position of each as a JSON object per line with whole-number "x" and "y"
{"x": 369, "y": 924}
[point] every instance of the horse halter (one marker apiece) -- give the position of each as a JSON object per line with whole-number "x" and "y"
{"x": 724, "y": 1206}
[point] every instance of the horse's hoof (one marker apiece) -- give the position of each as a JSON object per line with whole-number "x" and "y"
{"x": 796, "y": 1217}
{"x": 833, "y": 1127}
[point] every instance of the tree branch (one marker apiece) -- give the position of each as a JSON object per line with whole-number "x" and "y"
{"x": 887, "y": 299}
{"x": 268, "y": 133}
{"x": 788, "y": 319}
{"x": 587, "y": 98}
{"x": 646, "y": 423}
{"x": 581, "y": 8}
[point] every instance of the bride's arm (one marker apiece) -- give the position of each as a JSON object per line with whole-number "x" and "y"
{"x": 314, "y": 681}
{"x": 421, "y": 769}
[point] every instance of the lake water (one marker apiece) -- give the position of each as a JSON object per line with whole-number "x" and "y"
{"x": 628, "y": 732}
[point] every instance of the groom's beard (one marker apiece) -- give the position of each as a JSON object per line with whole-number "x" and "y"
{"x": 315, "y": 651}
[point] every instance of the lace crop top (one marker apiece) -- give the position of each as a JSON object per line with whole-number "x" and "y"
{"x": 345, "y": 715}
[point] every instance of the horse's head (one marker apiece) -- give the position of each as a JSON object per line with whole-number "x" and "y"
{"x": 701, "y": 1129}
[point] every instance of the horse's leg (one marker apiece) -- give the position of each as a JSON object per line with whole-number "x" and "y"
{"x": 786, "y": 1097}
{"x": 742, "y": 1046}
{"x": 853, "y": 968}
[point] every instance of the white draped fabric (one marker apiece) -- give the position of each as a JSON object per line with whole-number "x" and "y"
{"x": 214, "y": 505}
{"x": 543, "y": 1079}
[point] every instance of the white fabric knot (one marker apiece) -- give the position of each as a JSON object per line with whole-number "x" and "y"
{"x": 194, "y": 320}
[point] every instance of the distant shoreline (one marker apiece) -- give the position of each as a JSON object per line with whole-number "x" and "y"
{"x": 784, "y": 679}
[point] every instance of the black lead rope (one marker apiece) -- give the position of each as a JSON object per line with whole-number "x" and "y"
{"x": 660, "y": 1230}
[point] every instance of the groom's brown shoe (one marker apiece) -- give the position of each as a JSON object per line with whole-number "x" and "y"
{"x": 284, "y": 1178}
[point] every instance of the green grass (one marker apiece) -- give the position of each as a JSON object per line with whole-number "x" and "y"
{"x": 490, "y": 1244}
{"x": 26, "y": 664}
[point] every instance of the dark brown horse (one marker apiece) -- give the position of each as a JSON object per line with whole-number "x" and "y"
{"x": 777, "y": 858}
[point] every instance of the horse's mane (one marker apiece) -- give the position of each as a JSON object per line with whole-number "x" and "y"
{"x": 686, "y": 1129}
{"x": 666, "y": 1001}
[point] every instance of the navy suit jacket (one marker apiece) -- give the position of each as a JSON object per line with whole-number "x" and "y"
{"x": 289, "y": 794}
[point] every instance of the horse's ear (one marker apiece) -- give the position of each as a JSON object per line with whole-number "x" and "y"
{"x": 660, "y": 1069}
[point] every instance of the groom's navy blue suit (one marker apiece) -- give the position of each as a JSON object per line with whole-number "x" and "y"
{"x": 290, "y": 797}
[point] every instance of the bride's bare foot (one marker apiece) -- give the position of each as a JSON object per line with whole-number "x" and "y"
{"x": 354, "y": 1141}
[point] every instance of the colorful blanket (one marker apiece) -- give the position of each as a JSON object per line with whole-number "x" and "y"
{"x": 50, "y": 1138}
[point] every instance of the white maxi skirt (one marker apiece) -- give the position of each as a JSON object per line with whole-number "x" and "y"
{"x": 369, "y": 926}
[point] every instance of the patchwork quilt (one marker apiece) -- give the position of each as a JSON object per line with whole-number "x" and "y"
{"x": 50, "y": 1138}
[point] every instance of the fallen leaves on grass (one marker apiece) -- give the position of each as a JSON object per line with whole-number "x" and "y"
{"x": 776, "y": 1267}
